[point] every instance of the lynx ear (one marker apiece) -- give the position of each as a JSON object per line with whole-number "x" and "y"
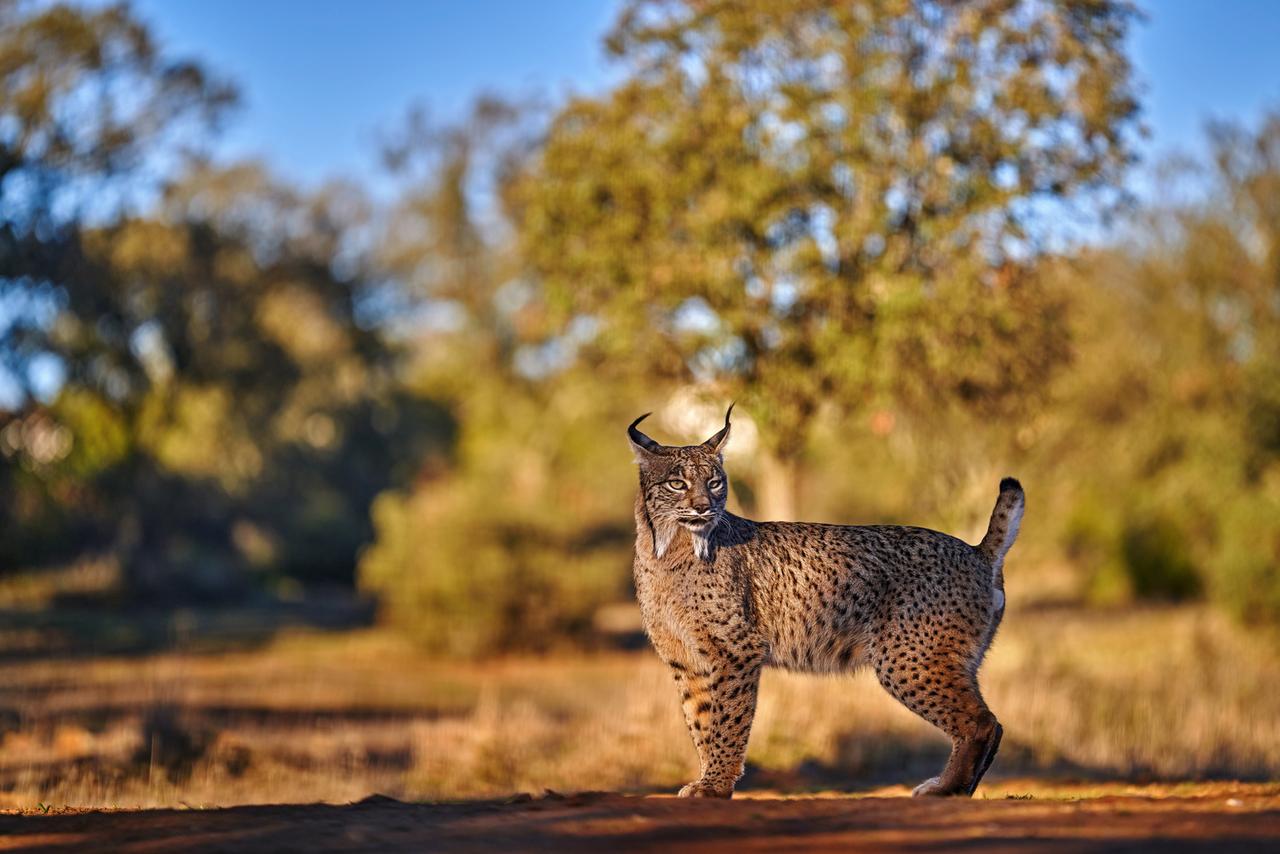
{"x": 717, "y": 442}
{"x": 641, "y": 443}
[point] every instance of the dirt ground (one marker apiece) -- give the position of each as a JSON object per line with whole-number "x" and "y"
{"x": 1221, "y": 817}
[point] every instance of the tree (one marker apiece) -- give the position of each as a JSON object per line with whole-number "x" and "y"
{"x": 1166, "y": 425}
{"x": 1207, "y": 279}
{"x": 518, "y": 541}
{"x": 240, "y": 301}
{"x": 222, "y": 406}
{"x": 86, "y": 98}
{"x": 260, "y": 417}
{"x": 808, "y": 203}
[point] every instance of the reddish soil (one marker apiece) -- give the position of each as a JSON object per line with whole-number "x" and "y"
{"x": 1232, "y": 818}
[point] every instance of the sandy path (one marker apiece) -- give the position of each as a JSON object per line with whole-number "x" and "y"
{"x": 1243, "y": 819}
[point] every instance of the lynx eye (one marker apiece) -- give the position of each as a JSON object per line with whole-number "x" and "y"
{"x": 677, "y": 485}
{"x": 715, "y": 483}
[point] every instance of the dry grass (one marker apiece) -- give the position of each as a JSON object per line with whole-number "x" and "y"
{"x": 1162, "y": 695}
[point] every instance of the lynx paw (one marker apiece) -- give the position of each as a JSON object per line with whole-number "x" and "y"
{"x": 702, "y": 789}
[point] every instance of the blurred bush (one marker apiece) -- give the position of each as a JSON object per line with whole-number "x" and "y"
{"x": 521, "y": 544}
{"x": 1155, "y": 555}
{"x": 473, "y": 577}
{"x": 1246, "y": 568}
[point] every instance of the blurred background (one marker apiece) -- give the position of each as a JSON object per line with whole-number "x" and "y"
{"x": 320, "y": 327}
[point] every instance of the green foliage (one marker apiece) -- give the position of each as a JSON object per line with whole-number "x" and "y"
{"x": 86, "y": 94}
{"x": 100, "y": 437}
{"x": 1246, "y": 569}
{"x": 1154, "y": 551}
{"x": 808, "y": 204}
{"x": 522, "y": 543}
{"x": 1127, "y": 553}
{"x": 1167, "y": 426}
{"x": 1089, "y": 540}
{"x": 474, "y": 577}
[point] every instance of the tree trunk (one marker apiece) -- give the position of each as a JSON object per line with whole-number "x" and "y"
{"x": 777, "y": 496}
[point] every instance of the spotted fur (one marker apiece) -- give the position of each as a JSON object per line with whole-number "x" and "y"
{"x": 723, "y": 596}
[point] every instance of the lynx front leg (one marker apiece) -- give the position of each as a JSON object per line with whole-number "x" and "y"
{"x": 719, "y": 704}
{"x": 687, "y": 684}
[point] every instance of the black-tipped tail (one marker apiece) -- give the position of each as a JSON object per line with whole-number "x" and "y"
{"x": 1006, "y": 518}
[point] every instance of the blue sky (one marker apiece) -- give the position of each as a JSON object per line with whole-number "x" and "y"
{"x": 321, "y": 78}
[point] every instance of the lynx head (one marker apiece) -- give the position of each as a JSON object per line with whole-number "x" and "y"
{"x": 682, "y": 486}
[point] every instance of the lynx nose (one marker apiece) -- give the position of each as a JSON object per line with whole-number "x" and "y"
{"x": 702, "y": 505}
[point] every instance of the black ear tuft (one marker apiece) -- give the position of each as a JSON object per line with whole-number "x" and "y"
{"x": 640, "y": 441}
{"x": 717, "y": 442}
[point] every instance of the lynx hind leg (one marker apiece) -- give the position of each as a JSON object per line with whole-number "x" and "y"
{"x": 943, "y": 691}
